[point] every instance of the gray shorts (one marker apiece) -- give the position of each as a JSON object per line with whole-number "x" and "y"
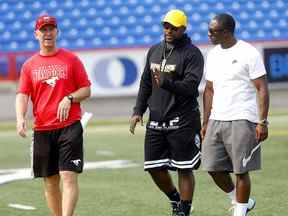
{"x": 231, "y": 146}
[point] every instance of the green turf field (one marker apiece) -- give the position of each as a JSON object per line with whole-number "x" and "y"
{"x": 130, "y": 191}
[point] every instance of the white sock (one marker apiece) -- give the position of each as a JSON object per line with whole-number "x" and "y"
{"x": 232, "y": 196}
{"x": 241, "y": 209}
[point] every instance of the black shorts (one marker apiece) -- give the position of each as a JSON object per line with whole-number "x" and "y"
{"x": 58, "y": 150}
{"x": 172, "y": 149}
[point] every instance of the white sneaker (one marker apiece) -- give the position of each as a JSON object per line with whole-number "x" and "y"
{"x": 251, "y": 205}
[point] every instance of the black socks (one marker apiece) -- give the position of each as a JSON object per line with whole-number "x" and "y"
{"x": 181, "y": 205}
{"x": 174, "y": 196}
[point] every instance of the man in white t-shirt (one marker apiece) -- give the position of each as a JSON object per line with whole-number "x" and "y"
{"x": 235, "y": 119}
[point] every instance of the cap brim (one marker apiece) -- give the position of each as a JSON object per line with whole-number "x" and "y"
{"x": 44, "y": 24}
{"x": 177, "y": 25}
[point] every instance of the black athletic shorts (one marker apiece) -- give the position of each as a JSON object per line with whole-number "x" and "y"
{"x": 58, "y": 150}
{"x": 172, "y": 148}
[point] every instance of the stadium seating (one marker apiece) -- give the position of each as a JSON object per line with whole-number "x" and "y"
{"x": 86, "y": 24}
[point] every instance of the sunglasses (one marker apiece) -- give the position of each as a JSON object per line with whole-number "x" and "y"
{"x": 170, "y": 27}
{"x": 215, "y": 31}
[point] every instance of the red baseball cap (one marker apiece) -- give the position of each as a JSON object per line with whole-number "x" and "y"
{"x": 45, "y": 20}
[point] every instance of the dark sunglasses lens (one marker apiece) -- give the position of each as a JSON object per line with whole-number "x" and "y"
{"x": 172, "y": 28}
{"x": 214, "y": 31}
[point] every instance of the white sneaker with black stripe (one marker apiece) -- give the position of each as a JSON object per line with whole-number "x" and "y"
{"x": 251, "y": 204}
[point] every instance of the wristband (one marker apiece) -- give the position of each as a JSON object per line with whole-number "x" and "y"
{"x": 263, "y": 122}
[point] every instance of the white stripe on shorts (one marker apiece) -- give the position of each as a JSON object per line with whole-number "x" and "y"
{"x": 172, "y": 163}
{"x": 186, "y": 164}
{"x": 156, "y": 163}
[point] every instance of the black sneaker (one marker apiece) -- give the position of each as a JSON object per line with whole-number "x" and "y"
{"x": 175, "y": 208}
{"x": 185, "y": 208}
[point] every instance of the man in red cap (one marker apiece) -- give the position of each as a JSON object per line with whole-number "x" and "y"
{"x": 56, "y": 81}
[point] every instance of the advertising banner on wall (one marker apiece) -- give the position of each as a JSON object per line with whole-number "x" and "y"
{"x": 114, "y": 72}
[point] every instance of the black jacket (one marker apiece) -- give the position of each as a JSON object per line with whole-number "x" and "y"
{"x": 178, "y": 92}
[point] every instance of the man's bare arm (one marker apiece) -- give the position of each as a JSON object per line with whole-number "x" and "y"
{"x": 21, "y": 106}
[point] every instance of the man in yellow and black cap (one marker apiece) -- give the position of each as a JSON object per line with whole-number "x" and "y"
{"x": 169, "y": 89}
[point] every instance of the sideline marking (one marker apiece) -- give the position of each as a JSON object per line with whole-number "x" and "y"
{"x": 104, "y": 153}
{"x": 20, "y": 206}
{"x": 10, "y": 175}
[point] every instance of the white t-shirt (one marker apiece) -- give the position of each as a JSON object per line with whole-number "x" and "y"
{"x": 231, "y": 71}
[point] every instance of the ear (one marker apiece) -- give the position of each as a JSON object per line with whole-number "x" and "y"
{"x": 183, "y": 29}
{"x": 36, "y": 34}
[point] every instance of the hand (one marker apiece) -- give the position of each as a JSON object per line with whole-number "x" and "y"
{"x": 21, "y": 127}
{"x": 63, "y": 109}
{"x": 261, "y": 132}
{"x": 133, "y": 122}
{"x": 156, "y": 76}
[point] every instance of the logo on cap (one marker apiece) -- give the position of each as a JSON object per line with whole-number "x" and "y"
{"x": 45, "y": 20}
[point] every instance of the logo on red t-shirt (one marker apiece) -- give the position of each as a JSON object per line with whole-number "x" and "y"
{"x": 50, "y": 73}
{"x": 51, "y": 81}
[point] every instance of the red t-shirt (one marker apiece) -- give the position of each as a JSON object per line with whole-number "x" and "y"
{"x": 47, "y": 79}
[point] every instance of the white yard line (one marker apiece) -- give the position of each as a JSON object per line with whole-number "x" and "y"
{"x": 104, "y": 153}
{"x": 10, "y": 175}
{"x": 20, "y": 206}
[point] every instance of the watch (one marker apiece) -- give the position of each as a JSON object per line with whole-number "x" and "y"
{"x": 70, "y": 97}
{"x": 263, "y": 122}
